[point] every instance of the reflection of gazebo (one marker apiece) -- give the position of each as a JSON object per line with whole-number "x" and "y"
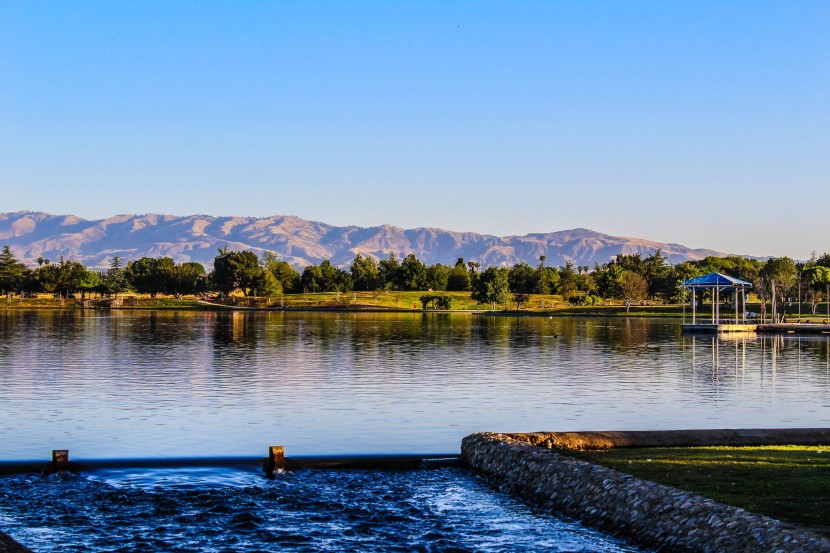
{"x": 717, "y": 283}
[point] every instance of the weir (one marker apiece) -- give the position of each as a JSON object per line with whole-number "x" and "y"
{"x": 334, "y": 462}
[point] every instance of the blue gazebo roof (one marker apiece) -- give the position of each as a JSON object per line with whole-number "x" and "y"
{"x": 713, "y": 280}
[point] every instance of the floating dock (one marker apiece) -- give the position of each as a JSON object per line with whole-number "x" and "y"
{"x": 711, "y": 328}
{"x": 795, "y": 328}
{"x": 767, "y": 328}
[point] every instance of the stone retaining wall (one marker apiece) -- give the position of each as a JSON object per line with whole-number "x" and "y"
{"x": 677, "y": 438}
{"x": 641, "y": 512}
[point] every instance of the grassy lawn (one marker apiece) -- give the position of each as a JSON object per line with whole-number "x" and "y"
{"x": 393, "y": 300}
{"x": 538, "y": 303}
{"x": 789, "y": 483}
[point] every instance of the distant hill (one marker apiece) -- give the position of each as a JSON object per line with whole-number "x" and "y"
{"x": 300, "y": 242}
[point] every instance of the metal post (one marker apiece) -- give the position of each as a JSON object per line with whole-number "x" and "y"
{"x": 713, "y": 305}
{"x": 694, "y": 307}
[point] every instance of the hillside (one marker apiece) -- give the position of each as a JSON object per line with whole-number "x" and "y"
{"x": 300, "y": 242}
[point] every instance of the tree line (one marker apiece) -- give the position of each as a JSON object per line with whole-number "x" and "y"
{"x": 627, "y": 278}
{"x": 67, "y": 278}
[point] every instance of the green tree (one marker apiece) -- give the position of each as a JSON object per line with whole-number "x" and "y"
{"x": 268, "y": 285}
{"x": 312, "y": 279}
{"x": 438, "y": 276}
{"x": 783, "y": 273}
{"x": 152, "y": 275}
{"x": 365, "y": 273}
{"x": 412, "y": 274}
{"x": 236, "y": 270}
{"x": 633, "y": 288}
{"x": 522, "y": 280}
{"x": 631, "y": 262}
{"x": 659, "y": 275}
{"x": 325, "y": 277}
{"x": 388, "y": 272}
{"x": 62, "y": 278}
{"x": 115, "y": 281}
{"x": 12, "y": 272}
{"x": 458, "y": 279}
{"x": 91, "y": 282}
{"x": 190, "y": 278}
{"x": 567, "y": 280}
{"x": 817, "y": 278}
{"x": 544, "y": 278}
{"x": 335, "y": 279}
{"x": 286, "y": 275}
{"x": 608, "y": 278}
{"x": 492, "y": 286}
{"x": 474, "y": 266}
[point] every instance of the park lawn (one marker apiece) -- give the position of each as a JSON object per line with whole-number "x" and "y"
{"x": 356, "y": 300}
{"x": 790, "y": 483}
{"x": 391, "y": 300}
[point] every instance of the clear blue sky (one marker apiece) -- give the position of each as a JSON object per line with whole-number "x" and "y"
{"x": 703, "y": 123}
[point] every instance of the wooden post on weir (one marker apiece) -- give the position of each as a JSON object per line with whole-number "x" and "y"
{"x": 275, "y": 461}
{"x": 60, "y": 461}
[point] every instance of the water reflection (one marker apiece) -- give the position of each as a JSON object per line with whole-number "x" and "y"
{"x": 138, "y": 384}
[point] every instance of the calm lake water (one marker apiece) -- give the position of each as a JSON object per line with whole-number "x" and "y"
{"x": 202, "y": 384}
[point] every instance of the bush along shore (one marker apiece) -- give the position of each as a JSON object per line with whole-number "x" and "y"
{"x": 641, "y": 512}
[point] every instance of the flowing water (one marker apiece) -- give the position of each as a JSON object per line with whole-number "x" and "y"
{"x": 206, "y": 384}
{"x": 229, "y": 510}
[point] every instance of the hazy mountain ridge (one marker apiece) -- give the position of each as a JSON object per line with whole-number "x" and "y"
{"x": 301, "y": 242}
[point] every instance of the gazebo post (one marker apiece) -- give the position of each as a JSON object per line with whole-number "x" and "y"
{"x": 713, "y": 305}
{"x": 694, "y": 307}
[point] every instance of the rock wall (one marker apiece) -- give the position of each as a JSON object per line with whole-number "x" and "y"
{"x": 641, "y": 512}
{"x": 677, "y": 438}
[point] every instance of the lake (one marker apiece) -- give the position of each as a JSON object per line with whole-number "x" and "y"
{"x": 139, "y": 384}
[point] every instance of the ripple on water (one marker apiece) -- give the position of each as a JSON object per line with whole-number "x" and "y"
{"x": 184, "y": 510}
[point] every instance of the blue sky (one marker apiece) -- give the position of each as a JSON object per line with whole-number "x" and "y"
{"x": 702, "y": 123}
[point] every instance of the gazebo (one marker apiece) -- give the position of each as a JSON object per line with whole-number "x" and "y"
{"x": 717, "y": 283}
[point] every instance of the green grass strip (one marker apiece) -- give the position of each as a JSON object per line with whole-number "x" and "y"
{"x": 790, "y": 483}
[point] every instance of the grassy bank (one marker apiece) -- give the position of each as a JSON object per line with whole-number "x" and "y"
{"x": 790, "y": 483}
{"x": 537, "y": 304}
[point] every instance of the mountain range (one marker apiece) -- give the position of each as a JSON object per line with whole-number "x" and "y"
{"x": 300, "y": 242}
